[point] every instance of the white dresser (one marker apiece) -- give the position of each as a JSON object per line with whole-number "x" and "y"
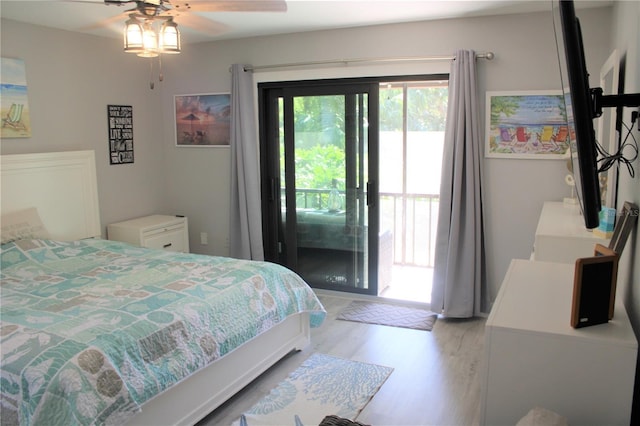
{"x": 165, "y": 232}
{"x": 534, "y": 358}
{"x": 561, "y": 235}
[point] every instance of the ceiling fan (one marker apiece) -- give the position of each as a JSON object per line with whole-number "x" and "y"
{"x": 142, "y": 39}
{"x": 184, "y": 9}
{"x": 142, "y": 14}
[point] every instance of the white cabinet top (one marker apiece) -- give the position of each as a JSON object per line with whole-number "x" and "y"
{"x": 151, "y": 222}
{"x": 563, "y": 220}
{"x": 535, "y": 297}
{"x": 561, "y": 235}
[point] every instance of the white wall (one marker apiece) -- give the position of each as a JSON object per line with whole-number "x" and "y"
{"x": 526, "y": 59}
{"x": 71, "y": 79}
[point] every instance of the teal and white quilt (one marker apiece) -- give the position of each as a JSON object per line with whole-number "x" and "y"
{"x": 90, "y": 330}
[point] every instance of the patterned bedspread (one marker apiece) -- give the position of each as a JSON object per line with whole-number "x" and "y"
{"x": 90, "y": 330}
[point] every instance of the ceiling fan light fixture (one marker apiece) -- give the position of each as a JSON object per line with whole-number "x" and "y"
{"x": 149, "y": 41}
{"x": 169, "y": 37}
{"x": 133, "y": 39}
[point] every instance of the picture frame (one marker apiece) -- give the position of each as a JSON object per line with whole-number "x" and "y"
{"x": 14, "y": 105}
{"x": 594, "y": 288}
{"x": 624, "y": 224}
{"x": 526, "y": 125}
{"x": 202, "y": 120}
{"x": 120, "y": 127}
{"x": 602, "y": 251}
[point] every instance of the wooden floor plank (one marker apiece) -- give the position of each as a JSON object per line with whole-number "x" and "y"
{"x": 436, "y": 378}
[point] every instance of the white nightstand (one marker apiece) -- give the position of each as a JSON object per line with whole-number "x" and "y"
{"x": 164, "y": 232}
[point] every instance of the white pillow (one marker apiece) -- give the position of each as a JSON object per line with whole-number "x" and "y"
{"x": 22, "y": 224}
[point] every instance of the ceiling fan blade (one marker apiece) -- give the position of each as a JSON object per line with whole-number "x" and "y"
{"x": 120, "y": 17}
{"x": 230, "y": 6}
{"x": 198, "y": 23}
{"x": 100, "y": 2}
{"x": 118, "y": 2}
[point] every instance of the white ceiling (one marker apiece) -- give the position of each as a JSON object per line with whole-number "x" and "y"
{"x": 94, "y": 17}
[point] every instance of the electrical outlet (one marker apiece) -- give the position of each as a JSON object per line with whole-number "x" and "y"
{"x": 204, "y": 238}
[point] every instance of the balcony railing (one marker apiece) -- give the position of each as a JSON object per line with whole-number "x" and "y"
{"x": 412, "y": 218}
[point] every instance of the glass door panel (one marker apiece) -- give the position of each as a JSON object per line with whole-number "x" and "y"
{"x": 319, "y": 163}
{"x": 325, "y": 212}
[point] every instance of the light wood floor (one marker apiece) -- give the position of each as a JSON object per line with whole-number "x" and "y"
{"x": 436, "y": 379}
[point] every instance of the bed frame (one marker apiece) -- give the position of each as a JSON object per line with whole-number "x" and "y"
{"x": 63, "y": 186}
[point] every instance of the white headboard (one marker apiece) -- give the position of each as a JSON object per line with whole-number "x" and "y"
{"x": 61, "y": 185}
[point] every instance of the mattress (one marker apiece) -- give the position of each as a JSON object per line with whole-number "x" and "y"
{"x": 92, "y": 329}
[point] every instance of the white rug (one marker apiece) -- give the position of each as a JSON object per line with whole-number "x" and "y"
{"x": 323, "y": 385}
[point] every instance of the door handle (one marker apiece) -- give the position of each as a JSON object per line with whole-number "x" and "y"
{"x": 371, "y": 199}
{"x": 166, "y": 245}
{"x": 272, "y": 189}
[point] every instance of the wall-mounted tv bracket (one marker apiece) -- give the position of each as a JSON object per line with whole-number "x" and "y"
{"x": 600, "y": 101}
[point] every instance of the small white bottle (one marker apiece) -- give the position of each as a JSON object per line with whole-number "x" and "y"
{"x": 335, "y": 198}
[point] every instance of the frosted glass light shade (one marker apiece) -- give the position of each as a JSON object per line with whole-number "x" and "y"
{"x": 133, "y": 42}
{"x": 169, "y": 37}
{"x": 149, "y": 42}
{"x": 142, "y": 39}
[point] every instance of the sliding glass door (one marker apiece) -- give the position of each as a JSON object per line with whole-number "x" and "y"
{"x": 319, "y": 160}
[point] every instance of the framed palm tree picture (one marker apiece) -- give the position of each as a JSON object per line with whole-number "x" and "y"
{"x": 202, "y": 120}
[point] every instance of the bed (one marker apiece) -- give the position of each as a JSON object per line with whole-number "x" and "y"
{"x": 101, "y": 332}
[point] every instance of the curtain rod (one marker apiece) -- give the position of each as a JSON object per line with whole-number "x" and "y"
{"x": 488, "y": 55}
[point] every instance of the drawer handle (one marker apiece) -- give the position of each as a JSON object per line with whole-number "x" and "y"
{"x": 166, "y": 245}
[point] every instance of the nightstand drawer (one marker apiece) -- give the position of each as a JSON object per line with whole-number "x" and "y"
{"x": 152, "y": 232}
{"x": 169, "y": 240}
{"x": 156, "y": 231}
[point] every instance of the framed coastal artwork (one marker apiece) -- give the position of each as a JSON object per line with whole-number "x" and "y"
{"x": 203, "y": 120}
{"x": 14, "y": 104}
{"x": 526, "y": 125}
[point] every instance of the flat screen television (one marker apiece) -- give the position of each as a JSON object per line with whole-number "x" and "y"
{"x": 582, "y": 106}
{"x": 579, "y": 110}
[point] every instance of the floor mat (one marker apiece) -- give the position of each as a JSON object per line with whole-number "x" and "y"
{"x": 388, "y": 314}
{"x": 323, "y": 385}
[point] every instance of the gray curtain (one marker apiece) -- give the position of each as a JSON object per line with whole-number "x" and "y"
{"x": 245, "y": 228}
{"x": 459, "y": 270}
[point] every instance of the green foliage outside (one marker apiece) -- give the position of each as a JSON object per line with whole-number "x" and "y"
{"x": 320, "y": 135}
{"x": 427, "y": 109}
{"x": 320, "y": 129}
{"x": 319, "y": 165}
